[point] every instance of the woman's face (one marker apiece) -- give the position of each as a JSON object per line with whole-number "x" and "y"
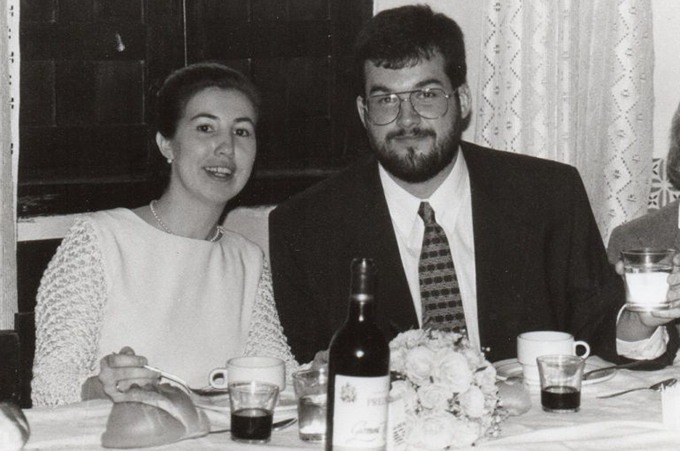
{"x": 214, "y": 146}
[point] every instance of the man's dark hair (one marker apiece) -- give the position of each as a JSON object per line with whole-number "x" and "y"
{"x": 673, "y": 158}
{"x": 402, "y": 37}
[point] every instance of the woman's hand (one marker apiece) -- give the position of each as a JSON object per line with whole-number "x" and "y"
{"x": 320, "y": 360}
{"x": 119, "y": 371}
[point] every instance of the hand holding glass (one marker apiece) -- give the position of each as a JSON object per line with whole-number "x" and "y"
{"x": 646, "y": 273}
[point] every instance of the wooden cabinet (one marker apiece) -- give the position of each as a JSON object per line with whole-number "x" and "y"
{"x": 90, "y": 70}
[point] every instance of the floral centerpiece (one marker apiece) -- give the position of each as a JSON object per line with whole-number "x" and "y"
{"x": 448, "y": 389}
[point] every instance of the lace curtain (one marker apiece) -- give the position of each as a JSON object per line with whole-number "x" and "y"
{"x": 9, "y": 127}
{"x": 571, "y": 81}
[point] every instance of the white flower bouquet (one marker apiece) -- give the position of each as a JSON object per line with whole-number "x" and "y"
{"x": 448, "y": 389}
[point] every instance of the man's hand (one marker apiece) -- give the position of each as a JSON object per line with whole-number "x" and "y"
{"x": 634, "y": 326}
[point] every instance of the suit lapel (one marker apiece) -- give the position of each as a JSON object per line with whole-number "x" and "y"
{"x": 500, "y": 233}
{"x": 375, "y": 236}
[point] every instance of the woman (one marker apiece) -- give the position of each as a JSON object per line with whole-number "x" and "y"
{"x": 165, "y": 279}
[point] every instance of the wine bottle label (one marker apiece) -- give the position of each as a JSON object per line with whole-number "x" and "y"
{"x": 360, "y": 413}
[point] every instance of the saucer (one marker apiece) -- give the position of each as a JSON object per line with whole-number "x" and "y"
{"x": 219, "y": 401}
{"x": 512, "y": 368}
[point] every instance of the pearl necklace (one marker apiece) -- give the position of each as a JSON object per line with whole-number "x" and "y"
{"x": 219, "y": 231}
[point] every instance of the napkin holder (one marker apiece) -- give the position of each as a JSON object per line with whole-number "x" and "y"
{"x": 153, "y": 416}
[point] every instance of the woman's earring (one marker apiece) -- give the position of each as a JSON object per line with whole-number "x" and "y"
{"x": 170, "y": 160}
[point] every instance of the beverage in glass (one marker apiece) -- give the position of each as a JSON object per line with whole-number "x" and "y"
{"x": 252, "y": 424}
{"x": 645, "y": 276}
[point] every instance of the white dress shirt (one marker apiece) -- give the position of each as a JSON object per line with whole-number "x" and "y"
{"x": 452, "y": 204}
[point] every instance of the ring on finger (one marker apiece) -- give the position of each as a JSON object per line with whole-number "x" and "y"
{"x": 118, "y": 387}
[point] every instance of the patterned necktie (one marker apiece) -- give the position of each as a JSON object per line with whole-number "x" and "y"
{"x": 439, "y": 291}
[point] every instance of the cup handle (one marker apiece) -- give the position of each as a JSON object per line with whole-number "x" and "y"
{"x": 585, "y": 345}
{"x": 218, "y": 378}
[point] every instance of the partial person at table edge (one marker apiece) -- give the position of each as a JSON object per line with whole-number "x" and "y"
{"x": 657, "y": 229}
{"x": 523, "y": 251}
{"x": 163, "y": 284}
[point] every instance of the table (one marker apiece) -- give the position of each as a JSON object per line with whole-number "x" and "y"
{"x": 79, "y": 426}
{"x": 630, "y": 422}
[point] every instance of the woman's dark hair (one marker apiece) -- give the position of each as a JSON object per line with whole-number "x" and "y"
{"x": 184, "y": 83}
{"x": 673, "y": 158}
{"x": 402, "y": 37}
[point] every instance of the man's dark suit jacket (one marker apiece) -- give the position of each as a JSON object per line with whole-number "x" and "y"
{"x": 540, "y": 260}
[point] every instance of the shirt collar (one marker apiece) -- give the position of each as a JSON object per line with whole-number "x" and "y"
{"x": 445, "y": 201}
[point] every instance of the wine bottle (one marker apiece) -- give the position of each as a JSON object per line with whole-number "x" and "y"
{"x": 358, "y": 372}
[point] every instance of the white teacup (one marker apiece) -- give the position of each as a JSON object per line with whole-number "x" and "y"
{"x": 247, "y": 369}
{"x": 531, "y": 345}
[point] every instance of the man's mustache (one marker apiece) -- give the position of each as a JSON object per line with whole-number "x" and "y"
{"x": 416, "y": 132}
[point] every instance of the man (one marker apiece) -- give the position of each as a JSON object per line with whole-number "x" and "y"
{"x": 514, "y": 242}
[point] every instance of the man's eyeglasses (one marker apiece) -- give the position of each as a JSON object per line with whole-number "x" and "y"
{"x": 430, "y": 103}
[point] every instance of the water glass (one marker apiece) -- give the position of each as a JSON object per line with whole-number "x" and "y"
{"x": 252, "y": 410}
{"x": 310, "y": 389}
{"x": 560, "y": 382}
{"x": 646, "y": 272}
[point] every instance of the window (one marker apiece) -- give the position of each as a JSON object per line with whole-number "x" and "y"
{"x": 90, "y": 69}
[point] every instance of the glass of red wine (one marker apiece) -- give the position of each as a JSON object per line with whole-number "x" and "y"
{"x": 252, "y": 410}
{"x": 560, "y": 382}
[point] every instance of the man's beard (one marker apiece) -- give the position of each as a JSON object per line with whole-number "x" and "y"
{"x": 417, "y": 166}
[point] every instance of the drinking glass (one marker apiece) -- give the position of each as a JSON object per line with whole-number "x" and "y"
{"x": 560, "y": 382}
{"x": 310, "y": 389}
{"x": 252, "y": 410}
{"x": 646, "y": 272}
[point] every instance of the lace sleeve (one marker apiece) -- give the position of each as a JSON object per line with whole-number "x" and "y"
{"x": 265, "y": 336}
{"x": 68, "y": 317}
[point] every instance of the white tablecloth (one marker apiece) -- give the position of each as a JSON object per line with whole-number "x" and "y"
{"x": 80, "y": 426}
{"x": 629, "y": 422}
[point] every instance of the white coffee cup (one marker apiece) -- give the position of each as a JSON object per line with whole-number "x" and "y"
{"x": 247, "y": 369}
{"x": 531, "y": 345}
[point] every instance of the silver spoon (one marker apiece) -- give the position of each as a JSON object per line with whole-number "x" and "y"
{"x": 190, "y": 391}
{"x": 279, "y": 425}
{"x": 588, "y": 374}
{"x": 659, "y": 385}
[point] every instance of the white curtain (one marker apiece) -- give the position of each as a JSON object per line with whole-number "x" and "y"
{"x": 571, "y": 81}
{"x": 9, "y": 127}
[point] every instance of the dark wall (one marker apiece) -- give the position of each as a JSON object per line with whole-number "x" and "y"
{"x": 90, "y": 70}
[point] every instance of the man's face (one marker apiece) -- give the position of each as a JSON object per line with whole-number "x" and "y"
{"x": 412, "y": 148}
